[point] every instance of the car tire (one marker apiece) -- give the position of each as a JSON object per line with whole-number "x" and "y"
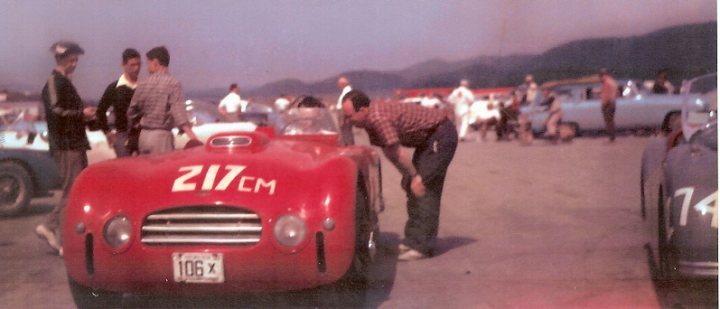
{"x": 16, "y": 188}
{"x": 356, "y": 277}
{"x": 86, "y": 297}
{"x": 665, "y": 265}
{"x": 671, "y": 123}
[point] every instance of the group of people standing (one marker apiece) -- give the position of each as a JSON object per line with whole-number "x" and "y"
{"x": 146, "y": 110}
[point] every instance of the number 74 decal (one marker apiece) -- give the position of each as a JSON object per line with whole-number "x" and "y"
{"x": 706, "y": 205}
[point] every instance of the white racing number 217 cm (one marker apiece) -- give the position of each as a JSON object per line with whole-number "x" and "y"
{"x": 704, "y": 206}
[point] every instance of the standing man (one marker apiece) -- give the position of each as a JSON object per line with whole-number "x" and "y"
{"x": 391, "y": 125}
{"x": 230, "y": 104}
{"x": 346, "y": 133}
{"x": 118, "y": 95}
{"x": 159, "y": 105}
{"x": 528, "y": 90}
{"x": 608, "y": 94}
{"x": 462, "y": 98}
{"x": 66, "y": 120}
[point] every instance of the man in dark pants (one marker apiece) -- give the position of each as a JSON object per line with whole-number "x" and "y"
{"x": 66, "y": 120}
{"x": 608, "y": 94}
{"x": 391, "y": 125}
{"x": 118, "y": 95}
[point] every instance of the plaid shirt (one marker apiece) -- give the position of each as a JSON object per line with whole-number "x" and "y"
{"x": 159, "y": 103}
{"x": 389, "y": 123}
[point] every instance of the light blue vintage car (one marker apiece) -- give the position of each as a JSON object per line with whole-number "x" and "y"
{"x": 635, "y": 108}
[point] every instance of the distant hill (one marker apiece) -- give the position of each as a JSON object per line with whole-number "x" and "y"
{"x": 685, "y": 51}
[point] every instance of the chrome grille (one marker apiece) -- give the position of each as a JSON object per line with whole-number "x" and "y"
{"x": 202, "y": 225}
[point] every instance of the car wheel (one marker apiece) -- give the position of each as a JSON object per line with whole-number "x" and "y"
{"x": 671, "y": 123}
{"x": 357, "y": 275}
{"x": 665, "y": 265}
{"x": 16, "y": 188}
{"x": 86, "y": 297}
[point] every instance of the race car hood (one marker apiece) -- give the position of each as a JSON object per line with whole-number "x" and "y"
{"x": 244, "y": 168}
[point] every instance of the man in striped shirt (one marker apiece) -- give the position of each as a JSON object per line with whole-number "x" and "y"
{"x": 391, "y": 125}
{"x": 158, "y": 105}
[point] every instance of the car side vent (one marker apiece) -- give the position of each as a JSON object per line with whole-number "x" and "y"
{"x": 202, "y": 225}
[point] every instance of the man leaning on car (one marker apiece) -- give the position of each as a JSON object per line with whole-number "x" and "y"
{"x": 68, "y": 143}
{"x": 391, "y": 125}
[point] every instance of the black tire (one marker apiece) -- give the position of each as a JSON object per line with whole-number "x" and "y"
{"x": 670, "y": 123}
{"x": 665, "y": 265}
{"x": 16, "y": 188}
{"x": 86, "y": 297}
{"x": 357, "y": 275}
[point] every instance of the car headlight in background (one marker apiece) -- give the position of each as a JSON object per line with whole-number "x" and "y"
{"x": 117, "y": 231}
{"x": 290, "y": 230}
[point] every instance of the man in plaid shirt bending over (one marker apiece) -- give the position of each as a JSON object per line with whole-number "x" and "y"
{"x": 391, "y": 125}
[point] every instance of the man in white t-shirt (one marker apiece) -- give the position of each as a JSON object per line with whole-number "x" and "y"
{"x": 462, "y": 98}
{"x": 231, "y": 103}
{"x": 281, "y": 103}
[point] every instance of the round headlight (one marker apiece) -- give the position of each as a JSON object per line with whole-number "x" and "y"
{"x": 290, "y": 230}
{"x": 117, "y": 231}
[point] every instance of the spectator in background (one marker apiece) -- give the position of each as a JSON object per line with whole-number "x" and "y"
{"x": 159, "y": 105}
{"x": 508, "y": 114}
{"x": 462, "y": 98}
{"x": 608, "y": 94}
{"x": 528, "y": 90}
{"x": 662, "y": 85}
{"x": 281, "y": 103}
{"x": 346, "y": 132}
{"x": 230, "y": 105}
{"x": 551, "y": 103}
{"x": 124, "y": 138}
{"x": 66, "y": 121}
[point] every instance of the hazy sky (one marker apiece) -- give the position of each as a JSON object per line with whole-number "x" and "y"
{"x": 213, "y": 43}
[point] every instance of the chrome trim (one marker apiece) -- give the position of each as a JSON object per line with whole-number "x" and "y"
{"x": 195, "y": 240}
{"x": 202, "y": 224}
{"x": 231, "y": 141}
{"x": 202, "y": 228}
{"x": 197, "y": 216}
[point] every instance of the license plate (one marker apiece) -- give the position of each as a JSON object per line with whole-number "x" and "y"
{"x": 198, "y": 267}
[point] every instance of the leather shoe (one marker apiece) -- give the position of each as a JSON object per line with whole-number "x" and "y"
{"x": 411, "y": 255}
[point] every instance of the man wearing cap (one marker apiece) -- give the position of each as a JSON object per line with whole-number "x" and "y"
{"x": 66, "y": 120}
{"x": 118, "y": 95}
{"x": 393, "y": 125}
{"x": 608, "y": 94}
{"x": 159, "y": 105}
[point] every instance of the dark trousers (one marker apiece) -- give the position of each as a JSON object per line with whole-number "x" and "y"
{"x": 431, "y": 161}
{"x": 70, "y": 163}
{"x": 608, "y": 111}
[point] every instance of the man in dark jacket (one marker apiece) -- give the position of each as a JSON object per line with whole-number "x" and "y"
{"x": 66, "y": 120}
{"x": 118, "y": 95}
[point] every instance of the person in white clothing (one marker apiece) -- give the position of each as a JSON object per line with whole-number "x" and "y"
{"x": 462, "y": 98}
{"x": 281, "y": 103}
{"x": 231, "y": 103}
{"x": 346, "y": 130}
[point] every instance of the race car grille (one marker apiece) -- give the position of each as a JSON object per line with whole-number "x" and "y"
{"x": 202, "y": 225}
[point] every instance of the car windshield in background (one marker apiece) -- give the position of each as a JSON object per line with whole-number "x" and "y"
{"x": 307, "y": 121}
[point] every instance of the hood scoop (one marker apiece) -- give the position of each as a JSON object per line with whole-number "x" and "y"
{"x": 237, "y": 142}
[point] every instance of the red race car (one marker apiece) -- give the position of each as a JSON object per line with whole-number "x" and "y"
{"x": 281, "y": 208}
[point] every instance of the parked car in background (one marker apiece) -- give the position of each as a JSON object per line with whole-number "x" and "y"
{"x": 263, "y": 210}
{"x": 635, "y": 108}
{"x": 679, "y": 190}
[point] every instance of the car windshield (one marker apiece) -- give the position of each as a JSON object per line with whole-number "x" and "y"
{"x": 699, "y": 109}
{"x": 307, "y": 121}
{"x": 202, "y": 112}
